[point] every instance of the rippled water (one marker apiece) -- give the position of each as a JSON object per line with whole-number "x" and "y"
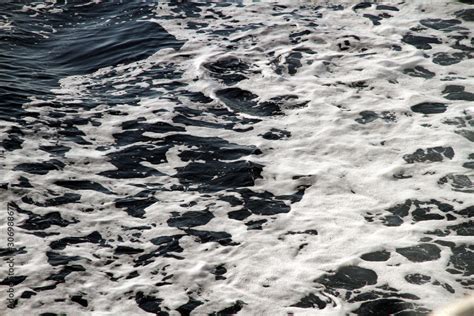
{"x": 214, "y": 158}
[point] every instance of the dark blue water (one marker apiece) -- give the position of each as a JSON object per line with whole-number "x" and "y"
{"x": 79, "y": 40}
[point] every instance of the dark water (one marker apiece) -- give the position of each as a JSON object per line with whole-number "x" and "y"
{"x": 84, "y": 37}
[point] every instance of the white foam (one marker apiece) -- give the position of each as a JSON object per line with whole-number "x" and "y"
{"x": 348, "y": 168}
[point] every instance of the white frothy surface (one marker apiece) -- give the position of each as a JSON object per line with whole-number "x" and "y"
{"x": 348, "y": 167}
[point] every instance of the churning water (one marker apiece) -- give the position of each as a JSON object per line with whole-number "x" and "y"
{"x": 177, "y": 158}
